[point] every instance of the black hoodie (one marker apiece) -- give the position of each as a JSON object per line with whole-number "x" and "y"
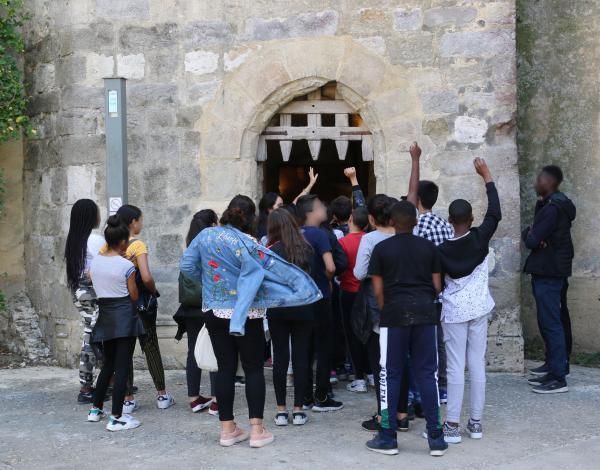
{"x": 549, "y": 237}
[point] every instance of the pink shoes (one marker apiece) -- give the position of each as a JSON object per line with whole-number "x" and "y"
{"x": 262, "y": 439}
{"x": 230, "y": 438}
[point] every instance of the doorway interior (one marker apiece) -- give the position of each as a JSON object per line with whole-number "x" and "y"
{"x": 317, "y": 130}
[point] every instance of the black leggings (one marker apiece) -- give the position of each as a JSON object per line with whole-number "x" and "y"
{"x": 374, "y": 355}
{"x": 250, "y": 348}
{"x": 322, "y": 345}
{"x": 193, "y": 373}
{"x": 117, "y": 361}
{"x": 299, "y": 331}
{"x": 358, "y": 351}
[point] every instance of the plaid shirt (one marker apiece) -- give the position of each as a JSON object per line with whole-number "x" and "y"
{"x": 433, "y": 228}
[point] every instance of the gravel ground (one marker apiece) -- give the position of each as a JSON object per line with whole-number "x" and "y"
{"x": 43, "y": 427}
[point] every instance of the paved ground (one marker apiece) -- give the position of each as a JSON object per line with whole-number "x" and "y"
{"x": 42, "y": 427}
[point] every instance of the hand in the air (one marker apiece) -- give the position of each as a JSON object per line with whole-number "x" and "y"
{"x": 312, "y": 176}
{"x": 415, "y": 151}
{"x": 482, "y": 169}
{"x": 350, "y": 173}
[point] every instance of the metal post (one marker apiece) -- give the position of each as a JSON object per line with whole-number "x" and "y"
{"x": 115, "y": 111}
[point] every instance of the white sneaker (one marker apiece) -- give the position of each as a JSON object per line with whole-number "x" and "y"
{"x": 371, "y": 380}
{"x": 358, "y": 386}
{"x": 299, "y": 418}
{"x": 95, "y": 415}
{"x": 281, "y": 418}
{"x": 122, "y": 423}
{"x": 129, "y": 406}
{"x": 165, "y": 401}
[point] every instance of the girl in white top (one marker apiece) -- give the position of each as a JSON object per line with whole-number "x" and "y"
{"x": 81, "y": 247}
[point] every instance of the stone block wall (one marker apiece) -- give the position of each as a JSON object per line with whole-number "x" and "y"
{"x": 203, "y": 80}
{"x": 558, "y": 81}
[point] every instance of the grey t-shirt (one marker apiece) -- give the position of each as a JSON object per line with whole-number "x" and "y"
{"x": 363, "y": 257}
{"x": 109, "y": 276}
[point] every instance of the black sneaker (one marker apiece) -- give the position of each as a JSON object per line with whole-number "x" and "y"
{"x": 539, "y": 380}
{"x": 411, "y": 412}
{"x": 437, "y": 445}
{"x": 85, "y": 398}
{"x": 327, "y": 405}
{"x": 551, "y": 386}
{"x": 371, "y": 425}
{"x": 541, "y": 370}
{"x": 383, "y": 445}
{"x": 403, "y": 424}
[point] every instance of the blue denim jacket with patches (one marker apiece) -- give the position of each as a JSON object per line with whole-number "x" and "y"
{"x": 237, "y": 273}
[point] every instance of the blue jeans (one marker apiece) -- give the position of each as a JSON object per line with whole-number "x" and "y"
{"x": 547, "y": 294}
{"x": 395, "y": 344}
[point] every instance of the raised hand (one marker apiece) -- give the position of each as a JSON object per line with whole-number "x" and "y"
{"x": 482, "y": 169}
{"x": 350, "y": 173}
{"x": 312, "y": 176}
{"x": 415, "y": 151}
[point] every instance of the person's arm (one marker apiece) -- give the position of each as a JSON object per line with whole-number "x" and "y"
{"x": 312, "y": 177}
{"x": 493, "y": 214}
{"x": 436, "y": 270}
{"x": 329, "y": 265}
{"x": 191, "y": 261}
{"x": 361, "y": 266}
{"x": 436, "y": 278}
{"x": 377, "y": 283}
{"x": 358, "y": 198}
{"x": 147, "y": 279}
{"x": 132, "y": 286}
{"x": 543, "y": 227}
{"x": 413, "y": 182}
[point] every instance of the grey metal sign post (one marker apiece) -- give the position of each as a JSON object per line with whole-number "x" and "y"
{"x": 115, "y": 112}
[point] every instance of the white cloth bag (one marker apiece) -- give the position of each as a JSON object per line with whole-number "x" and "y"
{"x": 203, "y": 351}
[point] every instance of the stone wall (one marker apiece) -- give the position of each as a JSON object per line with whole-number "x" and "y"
{"x": 559, "y": 101}
{"x": 203, "y": 80}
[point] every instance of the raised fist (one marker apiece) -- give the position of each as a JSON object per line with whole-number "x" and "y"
{"x": 415, "y": 150}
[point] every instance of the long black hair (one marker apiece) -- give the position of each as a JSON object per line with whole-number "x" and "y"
{"x": 85, "y": 216}
{"x": 282, "y": 227}
{"x": 201, "y": 220}
{"x": 128, "y": 213}
{"x": 241, "y": 213}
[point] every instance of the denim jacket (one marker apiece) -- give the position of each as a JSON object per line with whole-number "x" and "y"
{"x": 238, "y": 273}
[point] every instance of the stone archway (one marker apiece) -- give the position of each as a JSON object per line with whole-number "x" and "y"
{"x": 275, "y": 74}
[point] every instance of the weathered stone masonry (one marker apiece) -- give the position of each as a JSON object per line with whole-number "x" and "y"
{"x": 204, "y": 78}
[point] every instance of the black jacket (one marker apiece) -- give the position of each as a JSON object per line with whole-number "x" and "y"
{"x": 549, "y": 237}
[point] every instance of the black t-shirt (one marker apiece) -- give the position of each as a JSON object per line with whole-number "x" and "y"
{"x": 406, "y": 264}
{"x": 301, "y": 312}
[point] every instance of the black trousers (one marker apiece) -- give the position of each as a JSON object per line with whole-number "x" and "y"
{"x": 374, "y": 356}
{"x": 339, "y": 356}
{"x": 118, "y": 354}
{"x": 321, "y": 345}
{"x": 299, "y": 331}
{"x": 250, "y": 348}
{"x": 193, "y": 373}
{"x": 358, "y": 351}
{"x": 565, "y": 319}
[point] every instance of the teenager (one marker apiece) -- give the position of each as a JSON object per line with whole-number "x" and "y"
{"x": 349, "y": 286}
{"x": 118, "y": 324}
{"x": 312, "y": 213}
{"x": 190, "y": 320}
{"x": 236, "y": 291}
{"x": 137, "y": 253}
{"x": 341, "y": 210}
{"x": 268, "y": 203}
{"x": 80, "y": 249}
{"x": 550, "y": 264}
{"x": 466, "y": 303}
{"x": 434, "y": 228}
{"x": 290, "y": 325}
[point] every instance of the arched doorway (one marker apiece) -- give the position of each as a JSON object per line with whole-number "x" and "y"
{"x": 318, "y": 130}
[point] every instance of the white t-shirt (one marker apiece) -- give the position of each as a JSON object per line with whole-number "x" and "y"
{"x": 94, "y": 243}
{"x": 468, "y": 297}
{"x": 109, "y": 276}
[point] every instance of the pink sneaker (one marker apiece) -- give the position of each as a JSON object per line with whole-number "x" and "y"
{"x": 230, "y": 438}
{"x": 261, "y": 439}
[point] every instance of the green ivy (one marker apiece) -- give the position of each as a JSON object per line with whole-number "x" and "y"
{"x": 13, "y": 102}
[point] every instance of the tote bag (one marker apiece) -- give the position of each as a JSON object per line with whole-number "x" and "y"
{"x": 203, "y": 352}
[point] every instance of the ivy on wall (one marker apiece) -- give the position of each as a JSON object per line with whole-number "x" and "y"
{"x": 13, "y": 102}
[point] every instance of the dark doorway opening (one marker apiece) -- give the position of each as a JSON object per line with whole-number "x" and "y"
{"x": 289, "y": 178}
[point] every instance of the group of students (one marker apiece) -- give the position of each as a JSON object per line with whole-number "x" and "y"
{"x": 384, "y": 290}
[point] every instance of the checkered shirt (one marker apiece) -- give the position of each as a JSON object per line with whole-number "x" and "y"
{"x": 434, "y": 228}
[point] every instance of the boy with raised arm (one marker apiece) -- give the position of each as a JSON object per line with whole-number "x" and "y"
{"x": 466, "y": 303}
